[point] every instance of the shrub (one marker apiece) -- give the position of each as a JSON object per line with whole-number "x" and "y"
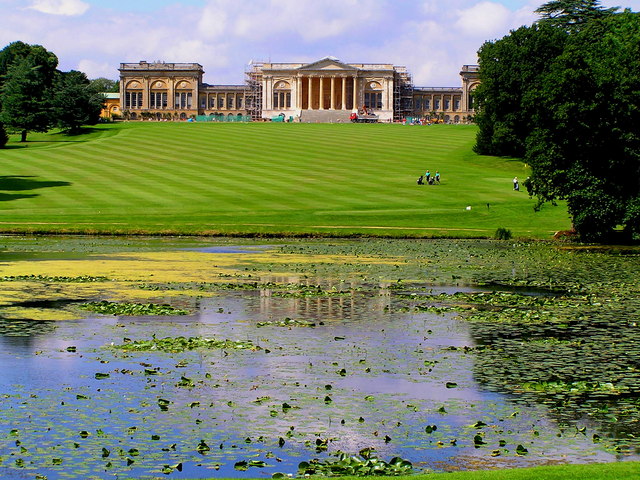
{"x": 503, "y": 234}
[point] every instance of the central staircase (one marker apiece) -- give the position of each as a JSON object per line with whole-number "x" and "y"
{"x": 325, "y": 116}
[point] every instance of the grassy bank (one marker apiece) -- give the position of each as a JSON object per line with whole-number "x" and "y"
{"x": 265, "y": 179}
{"x": 610, "y": 471}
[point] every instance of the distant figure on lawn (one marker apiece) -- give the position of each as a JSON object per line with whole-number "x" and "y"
{"x": 437, "y": 177}
{"x": 427, "y": 176}
{"x": 420, "y": 182}
{"x": 516, "y": 185}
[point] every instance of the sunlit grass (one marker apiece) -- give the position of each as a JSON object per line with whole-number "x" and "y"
{"x": 266, "y": 179}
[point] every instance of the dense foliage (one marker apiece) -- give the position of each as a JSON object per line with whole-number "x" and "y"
{"x": 75, "y": 102}
{"x": 26, "y": 87}
{"x": 34, "y": 96}
{"x": 105, "y": 85}
{"x": 563, "y": 95}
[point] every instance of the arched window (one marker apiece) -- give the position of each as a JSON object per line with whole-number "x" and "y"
{"x": 132, "y": 95}
{"x": 158, "y": 95}
{"x": 281, "y": 95}
{"x": 373, "y": 95}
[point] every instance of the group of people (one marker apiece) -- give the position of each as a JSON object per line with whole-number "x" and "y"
{"x": 428, "y": 179}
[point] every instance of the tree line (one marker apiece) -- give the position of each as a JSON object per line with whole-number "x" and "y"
{"x": 35, "y": 96}
{"x": 564, "y": 95}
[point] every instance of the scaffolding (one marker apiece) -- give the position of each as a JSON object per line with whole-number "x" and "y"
{"x": 253, "y": 91}
{"x": 402, "y": 94}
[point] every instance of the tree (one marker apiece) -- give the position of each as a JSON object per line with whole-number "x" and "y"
{"x": 25, "y": 87}
{"x": 75, "y": 101}
{"x": 508, "y": 68}
{"x": 571, "y": 14}
{"x": 562, "y": 94}
{"x": 25, "y": 99}
{"x": 105, "y": 85}
{"x": 4, "y": 138}
{"x": 16, "y": 52}
{"x": 586, "y": 146}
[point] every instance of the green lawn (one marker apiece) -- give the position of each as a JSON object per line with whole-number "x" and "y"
{"x": 610, "y": 471}
{"x": 263, "y": 178}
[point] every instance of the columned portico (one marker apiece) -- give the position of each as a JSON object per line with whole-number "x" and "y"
{"x": 330, "y": 86}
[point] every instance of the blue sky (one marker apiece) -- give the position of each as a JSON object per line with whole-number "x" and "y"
{"x": 432, "y": 38}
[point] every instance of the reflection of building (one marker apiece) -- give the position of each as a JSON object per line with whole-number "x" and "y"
{"x": 327, "y": 90}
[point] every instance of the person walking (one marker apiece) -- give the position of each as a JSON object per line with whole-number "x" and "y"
{"x": 516, "y": 185}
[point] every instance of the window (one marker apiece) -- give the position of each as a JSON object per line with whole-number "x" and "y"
{"x": 184, "y": 100}
{"x": 158, "y": 100}
{"x": 436, "y": 104}
{"x": 427, "y": 103}
{"x": 230, "y": 102}
{"x": 373, "y": 100}
{"x": 212, "y": 102}
{"x": 281, "y": 99}
{"x": 220, "y": 101}
{"x": 133, "y": 100}
{"x": 239, "y": 102}
{"x": 447, "y": 104}
{"x": 418, "y": 104}
{"x": 456, "y": 105}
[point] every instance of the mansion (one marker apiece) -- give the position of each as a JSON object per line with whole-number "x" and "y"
{"x": 320, "y": 92}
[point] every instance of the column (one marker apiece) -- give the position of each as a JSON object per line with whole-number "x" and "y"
{"x": 333, "y": 93}
{"x": 298, "y": 105}
{"x": 309, "y": 92}
{"x": 321, "y": 99}
{"x": 344, "y": 93}
{"x": 355, "y": 92}
{"x": 171, "y": 101}
{"x": 146, "y": 90}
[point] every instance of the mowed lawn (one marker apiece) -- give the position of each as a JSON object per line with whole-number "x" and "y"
{"x": 264, "y": 178}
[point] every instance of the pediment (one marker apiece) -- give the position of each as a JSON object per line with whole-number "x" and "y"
{"x": 328, "y": 63}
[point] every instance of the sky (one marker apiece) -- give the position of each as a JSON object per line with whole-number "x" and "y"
{"x": 432, "y": 38}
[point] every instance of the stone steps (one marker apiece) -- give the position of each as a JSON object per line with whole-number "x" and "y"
{"x": 325, "y": 116}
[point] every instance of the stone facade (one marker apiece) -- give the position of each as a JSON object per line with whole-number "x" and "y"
{"x": 296, "y": 89}
{"x": 326, "y": 90}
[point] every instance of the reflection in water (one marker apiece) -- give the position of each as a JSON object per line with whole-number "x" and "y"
{"x": 367, "y": 375}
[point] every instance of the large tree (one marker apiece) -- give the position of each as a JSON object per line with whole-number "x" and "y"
{"x": 574, "y": 117}
{"x": 586, "y": 146}
{"x": 75, "y": 101}
{"x": 25, "y": 88}
{"x": 508, "y": 69}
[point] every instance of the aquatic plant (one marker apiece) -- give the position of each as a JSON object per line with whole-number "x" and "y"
{"x": 132, "y": 309}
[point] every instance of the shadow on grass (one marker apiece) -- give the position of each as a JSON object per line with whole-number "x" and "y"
{"x": 12, "y": 183}
{"x": 13, "y": 146}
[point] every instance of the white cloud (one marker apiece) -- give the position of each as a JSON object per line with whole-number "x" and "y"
{"x": 432, "y": 38}
{"x": 310, "y": 20}
{"x": 94, "y": 69}
{"x": 486, "y": 19}
{"x": 60, "y": 7}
